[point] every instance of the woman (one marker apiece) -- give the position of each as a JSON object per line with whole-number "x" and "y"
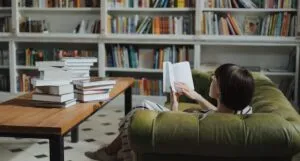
{"x": 232, "y": 86}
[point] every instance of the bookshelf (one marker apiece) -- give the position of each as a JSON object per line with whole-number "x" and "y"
{"x": 266, "y": 51}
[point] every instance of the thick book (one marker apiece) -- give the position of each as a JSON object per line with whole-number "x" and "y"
{"x": 178, "y": 72}
{"x": 86, "y": 92}
{"x": 92, "y": 97}
{"x": 52, "y": 73}
{"x": 55, "y": 104}
{"x": 79, "y": 59}
{"x": 53, "y": 98}
{"x": 55, "y": 90}
{"x": 95, "y": 82}
{"x": 93, "y": 88}
{"x": 50, "y": 64}
{"x": 40, "y": 82}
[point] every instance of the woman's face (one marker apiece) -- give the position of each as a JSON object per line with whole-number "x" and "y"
{"x": 214, "y": 90}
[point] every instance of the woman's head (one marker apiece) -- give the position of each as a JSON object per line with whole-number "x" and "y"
{"x": 232, "y": 86}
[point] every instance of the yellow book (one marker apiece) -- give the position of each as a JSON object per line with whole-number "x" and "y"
{"x": 180, "y": 3}
{"x": 203, "y": 24}
{"x": 109, "y": 18}
{"x": 274, "y": 22}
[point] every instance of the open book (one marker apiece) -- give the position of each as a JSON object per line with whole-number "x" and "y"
{"x": 178, "y": 72}
{"x": 154, "y": 106}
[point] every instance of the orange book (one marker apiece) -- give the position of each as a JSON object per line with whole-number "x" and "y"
{"x": 27, "y": 56}
{"x": 161, "y": 58}
{"x": 77, "y": 3}
{"x": 284, "y": 24}
{"x": 203, "y": 24}
{"x": 234, "y": 25}
{"x": 157, "y": 25}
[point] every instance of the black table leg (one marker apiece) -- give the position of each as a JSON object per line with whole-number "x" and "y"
{"x": 128, "y": 100}
{"x": 74, "y": 134}
{"x": 56, "y": 148}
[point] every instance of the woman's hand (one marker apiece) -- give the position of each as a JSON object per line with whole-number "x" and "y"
{"x": 184, "y": 89}
{"x": 173, "y": 100}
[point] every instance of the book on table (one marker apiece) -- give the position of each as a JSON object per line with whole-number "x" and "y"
{"x": 93, "y": 89}
{"x": 177, "y": 72}
{"x": 53, "y": 98}
{"x": 55, "y": 90}
{"x": 49, "y": 104}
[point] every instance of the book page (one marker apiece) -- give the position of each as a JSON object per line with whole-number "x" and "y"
{"x": 182, "y": 73}
{"x": 168, "y": 77}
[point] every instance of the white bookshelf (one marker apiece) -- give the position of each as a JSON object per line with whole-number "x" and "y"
{"x": 64, "y": 20}
{"x": 245, "y": 10}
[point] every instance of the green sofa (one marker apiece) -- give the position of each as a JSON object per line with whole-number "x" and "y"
{"x": 272, "y": 132}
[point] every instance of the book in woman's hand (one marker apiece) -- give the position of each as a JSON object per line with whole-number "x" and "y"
{"x": 177, "y": 72}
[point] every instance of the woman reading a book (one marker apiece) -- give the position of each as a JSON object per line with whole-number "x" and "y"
{"x": 232, "y": 86}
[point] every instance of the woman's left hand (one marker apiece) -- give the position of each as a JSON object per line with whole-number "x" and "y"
{"x": 173, "y": 100}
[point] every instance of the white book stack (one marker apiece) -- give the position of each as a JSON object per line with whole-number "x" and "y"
{"x": 94, "y": 89}
{"x": 78, "y": 67}
{"x": 53, "y": 88}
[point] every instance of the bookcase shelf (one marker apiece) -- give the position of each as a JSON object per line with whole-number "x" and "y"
{"x": 73, "y": 10}
{"x": 246, "y": 10}
{"x": 58, "y": 37}
{"x": 5, "y": 9}
{"x": 136, "y": 70}
{"x": 276, "y": 40}
{"x": 151, "y": 10}
{"x": 150, "y": 38}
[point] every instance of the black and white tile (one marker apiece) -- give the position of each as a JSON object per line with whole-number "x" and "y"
{"x": 98, "y": 130}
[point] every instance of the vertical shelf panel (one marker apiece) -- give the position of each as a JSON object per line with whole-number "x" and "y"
{"x": 12, "y": 67}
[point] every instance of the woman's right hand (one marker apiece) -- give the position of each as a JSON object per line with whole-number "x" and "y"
{"x": 184, "y": 89}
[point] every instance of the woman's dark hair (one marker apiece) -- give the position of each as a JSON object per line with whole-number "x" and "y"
{"x": 236, "y": 86}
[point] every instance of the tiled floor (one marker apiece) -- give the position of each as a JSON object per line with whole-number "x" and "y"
{"x": 98, "y": 130}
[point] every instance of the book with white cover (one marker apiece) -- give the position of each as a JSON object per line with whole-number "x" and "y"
{"x": 80, "y": 59}
{"x": 54, "y": 104}
{"x": 50, "y": 64}
{"x": 102, "y": 91}
{"x": 53, "y": 73}
{"x": 55, "y": 90}
{"x": 153, "y": 106}
{"x": 95, "y": 82}
{"x": 92, "y": 97}
{"x": 178, "y": 72}
{"x": 92, "y": 88}
{"x": 39, "y": 82}
{"x": 53, "y": 98}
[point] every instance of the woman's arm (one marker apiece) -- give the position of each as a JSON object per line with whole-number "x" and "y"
{"x": 173, "y": 100}
{"x": 195, "y": 96}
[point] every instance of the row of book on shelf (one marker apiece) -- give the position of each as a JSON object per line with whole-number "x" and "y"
{"x": 148, "y": 87}
{"x": 250, "y": 3}
{"x": 128, "y": 56}
{"x": 276, "y": 24}
{"x": 29, "y": 56}
{"x": 42, "y": 26}
{"x": 151, "y": 25}
{"x": 4, "y": 57}
{"x": 151, "y": 3}
{"x": 4, "y": 81}
{"x": 59, "y": 3}
{"x": 5, "y": 24}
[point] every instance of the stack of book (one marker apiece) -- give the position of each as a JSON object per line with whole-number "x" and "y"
{"x": 53, "y": 88}
{"x": 94, "y": 89}
{"x": 78, "y": 67}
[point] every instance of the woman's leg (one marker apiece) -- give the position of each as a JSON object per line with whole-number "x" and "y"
{"x": 114, "y": 146}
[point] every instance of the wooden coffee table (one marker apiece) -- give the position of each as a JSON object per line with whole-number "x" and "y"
{"x": 18, "y": 118}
